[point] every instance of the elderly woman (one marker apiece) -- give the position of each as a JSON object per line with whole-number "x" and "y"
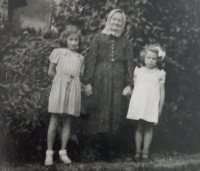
{"x": 108, "y": 75}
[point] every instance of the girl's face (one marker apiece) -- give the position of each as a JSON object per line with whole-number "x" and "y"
{"x": 150, "y": 59}
{"x": 72, "y": 41}
{"x": 116, "y": 21}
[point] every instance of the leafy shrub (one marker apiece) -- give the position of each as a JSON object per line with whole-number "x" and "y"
{"x": 24, "y": 86}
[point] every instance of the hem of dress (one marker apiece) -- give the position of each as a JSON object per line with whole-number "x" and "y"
{"x": 155, "y": 123}
{"x": 64, "y": 114}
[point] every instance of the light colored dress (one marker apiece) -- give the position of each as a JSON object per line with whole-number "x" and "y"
{"x": 144, "y": 103}
{"x": 65, "y": 95}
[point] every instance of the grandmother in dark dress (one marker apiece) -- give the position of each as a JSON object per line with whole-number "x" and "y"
{"x": 109, "y": 75}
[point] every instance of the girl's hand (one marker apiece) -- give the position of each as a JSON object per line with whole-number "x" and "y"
{"x": 127, "y": 91}
{"x": 88, "y": 90}
{"x": 82, "y": 87}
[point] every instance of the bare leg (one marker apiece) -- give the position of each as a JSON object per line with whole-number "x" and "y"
{"x": 65, "y": 132}
{"x": 51, "y": 138}
{"x": 148, "y": 134}
{"x": 139, "y": 136}
{"x": 65, "y": 137}
{"x": 52, "y": 131}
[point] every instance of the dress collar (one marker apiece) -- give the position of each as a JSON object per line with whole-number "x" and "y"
{"x": 68, "y": 51}
{"x": 149, "y": 70}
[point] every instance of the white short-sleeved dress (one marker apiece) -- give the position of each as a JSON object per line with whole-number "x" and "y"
{"x": 144, "y": 103}
{"x": 65, "y": 95}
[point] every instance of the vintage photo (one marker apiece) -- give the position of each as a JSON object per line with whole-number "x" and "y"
{"x": 93, "y": 85}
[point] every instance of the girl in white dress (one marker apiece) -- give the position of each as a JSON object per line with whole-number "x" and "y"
{"x": 66, "y": 67}
{"x": 147, "y": 98}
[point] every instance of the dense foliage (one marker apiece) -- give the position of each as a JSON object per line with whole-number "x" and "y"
{"x": 24, "y": 84}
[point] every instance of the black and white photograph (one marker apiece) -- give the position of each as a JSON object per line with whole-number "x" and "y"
{"x": 99, "y": 85}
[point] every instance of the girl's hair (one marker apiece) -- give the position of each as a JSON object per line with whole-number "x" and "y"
{"x": 152, "y": 48}
{"x": 70, "y": 29}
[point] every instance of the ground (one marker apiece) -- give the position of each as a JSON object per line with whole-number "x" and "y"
{"x": 161, "y": 162}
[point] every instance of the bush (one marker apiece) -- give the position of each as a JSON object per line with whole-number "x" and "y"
{"x": 24, "y": 86}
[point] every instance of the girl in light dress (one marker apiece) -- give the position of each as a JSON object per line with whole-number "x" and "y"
{"x": 66, "y": 67}
{"x": 147, "y": 98}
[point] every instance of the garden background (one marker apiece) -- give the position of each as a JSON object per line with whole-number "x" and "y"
{"x": 25, "y": 85}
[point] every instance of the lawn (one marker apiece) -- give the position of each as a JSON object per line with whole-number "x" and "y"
{"x": 163, "y": 162}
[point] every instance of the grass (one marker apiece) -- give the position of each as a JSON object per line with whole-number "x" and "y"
{"x": 165, "y": 162}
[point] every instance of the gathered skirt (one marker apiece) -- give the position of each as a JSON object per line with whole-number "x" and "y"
{"x": 65, "y": 95}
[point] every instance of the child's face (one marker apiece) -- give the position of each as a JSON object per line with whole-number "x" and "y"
{"x": 72, "y": 41}
{"x": 116, "y": 21}
{"x": 150, "y": 59}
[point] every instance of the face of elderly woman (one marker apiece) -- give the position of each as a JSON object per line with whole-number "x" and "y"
{"x": 116, "y": 21}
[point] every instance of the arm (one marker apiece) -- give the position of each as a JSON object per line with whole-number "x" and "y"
{"x": 54, "y": 59}
{"x": 81, "y": 72}
{"x": 82, "y": 65}
{"x": 90, "y": 61}
{"x": 52, "y": 70}
{"x": 129, "y": 56}
{"x": 134, "y": 79}
{"x": 162, "y": 97}
{"x": 90, "y": 64}
{"x": 129, "y": 75}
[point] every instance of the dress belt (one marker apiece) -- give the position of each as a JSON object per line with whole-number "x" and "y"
{"x": 111, "y": 62}
{"x": 72, "y": 76}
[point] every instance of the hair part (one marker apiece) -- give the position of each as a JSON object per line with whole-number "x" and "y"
{"x": 69, "y": 30}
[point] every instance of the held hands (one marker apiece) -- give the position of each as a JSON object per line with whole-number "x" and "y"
{"x": 88, "y": 90}
{"x": 127, "y": 91}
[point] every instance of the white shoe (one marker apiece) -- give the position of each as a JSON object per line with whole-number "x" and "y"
{"x": 64, "y": 158}
{"x": 49, "y": 158}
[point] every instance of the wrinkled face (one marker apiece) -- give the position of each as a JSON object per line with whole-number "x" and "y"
{"x": 116, "y": 21}
{"x": 72, "y": 41}
{"x": 150, "y": 59}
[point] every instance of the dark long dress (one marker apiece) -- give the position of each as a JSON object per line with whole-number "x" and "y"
{"x": 109, "y": 69}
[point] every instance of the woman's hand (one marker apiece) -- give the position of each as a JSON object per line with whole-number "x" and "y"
{"x": 127, "y": 91}
{"x": 88, "y": 90}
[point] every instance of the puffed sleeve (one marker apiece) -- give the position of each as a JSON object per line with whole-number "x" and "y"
{"x": 162, "y": 76}
{"x": 129, "y": 57}
{"x": 90, "y": 61}
{"x": 54, "y": 56}
{"x": 135, "y": 74}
